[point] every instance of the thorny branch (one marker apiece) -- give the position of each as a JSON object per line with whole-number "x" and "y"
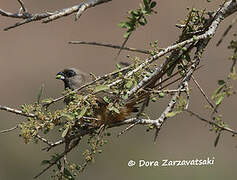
{"x": 111, "y": 46}
{"x": 212, "y": 122}
{"x": 49, "y": 16}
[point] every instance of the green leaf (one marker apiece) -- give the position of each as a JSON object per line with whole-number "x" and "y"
{"x": 153, "y": 4}
{"x": 45, "y": 162}
{"x": 220, "y": 98}
{"x": 161, "y": 94}
{"x": 101, "y": 88}
{"x": 129, "y": 84}
{"x": 68, "y": 116}
{"x": 68, "y": 174}
{"x": 184, "y": 49}
{"x": 172, "y": 114}
{"x": 125, "y": 96}
{"x": 65, "y": 132}
{"x": 114, "y": 109}
{"x": 135, "y": 13}
{"x": 143, "y": 21}
{"x": 145, "y": 2}
{"x": 217, "y": 91}
{"x": 221, "y": 82}
{"x": 195, "y": 38}
{"x": 154, "y": 99}
{"x": 82, "y": 113}
{"x": 46, "y": 101}
{"x": 40, "y": 93}
{"x": 123, "y": 25}
{"x": 118, "y": 66}
{"x": 127, "y": 34}
{"x": 106, "y": 99}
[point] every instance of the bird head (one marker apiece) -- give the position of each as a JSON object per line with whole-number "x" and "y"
{"x": 72, "y": 78}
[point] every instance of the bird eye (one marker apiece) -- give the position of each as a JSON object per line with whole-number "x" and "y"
{"x": 70, "y": 73}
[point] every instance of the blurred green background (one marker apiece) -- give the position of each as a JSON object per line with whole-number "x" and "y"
{"x": 32, "y": 54}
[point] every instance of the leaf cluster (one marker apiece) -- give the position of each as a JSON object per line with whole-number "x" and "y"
{"x": 138, "y": 17}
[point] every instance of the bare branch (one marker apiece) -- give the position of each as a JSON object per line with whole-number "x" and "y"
{"x": 212, "y": 123}
{"x": 22, "y": 6}
{"x": 44, "y": 140}
{"x": 9, "y": 130}
{"x": 58, "y": 158}
{"x": 16, "y": 111}
{"x": 47, "y": 16}
{"x": 111, "y": 46}
{"x": 51, "y": 145}
{"x": 79, "y": 9}
{"x": 204, "y": 94}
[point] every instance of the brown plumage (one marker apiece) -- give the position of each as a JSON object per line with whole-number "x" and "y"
{"x": 74, "y": 78}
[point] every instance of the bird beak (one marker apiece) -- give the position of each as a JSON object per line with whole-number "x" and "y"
{"x": 60, "y": 76}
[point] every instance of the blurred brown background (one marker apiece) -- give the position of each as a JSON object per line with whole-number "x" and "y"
{"x": 32, "y": 54}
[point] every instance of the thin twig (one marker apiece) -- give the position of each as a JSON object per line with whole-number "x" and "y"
{"x": 111, "y": 46}
{"x": 212, "y": 122}
{"x": 44, "y": 140}
{"x": 9, "y": 130}
{"x": 22, "y": 6}
{"x": 122, "y": 47}
{"x": 58, "y": 158}
{"x": 50, "y": 16}
{"x": 203, "y": 93}
{"x": 51, "y": 145}
{"x": 16, "y": 111}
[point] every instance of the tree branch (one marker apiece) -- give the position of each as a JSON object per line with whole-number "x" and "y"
{"x": 110, "y": 46}
{"x": 47, "y": 16}
{"x": 212, "y": 123}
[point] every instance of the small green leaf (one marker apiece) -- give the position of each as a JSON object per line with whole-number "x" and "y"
{"x": 221, "y": 82}
{"x": 114, "y": 109}
{"x": 153, "y": 4}
{"x": 125, "y": 96}
{"x": 135, "y": 13}
{"x": 154, "y": 99}
{"x": 145, "y": 2}
{"x": 123, "y": 25}
{"x": 65, "y": 132}
{"x": 101, "y": 88}
{"x": 118, "y": 66}
{"x": 172, "y": 114}
{"x": 161, "y": 94}
{"x": 47, "y": 101}
{"x": 220, "y": 98}
{"x": 45, "y": 162}
{"x": 217, "y": 91}
{"x": 143, "y": 21}
{"x": 195, "y": 38}
{"x": 184, "y": 49}
{"x": 68, "y": 116}
{"x": 129, "y": 84}
{"x": 68, "y": 174}
{"x": 106, "y": 99}
{"x": 127, "y": 34}
{"x": 82, "y": 113}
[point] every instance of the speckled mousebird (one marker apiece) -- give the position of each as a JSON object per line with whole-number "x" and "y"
{"x": 74, "y": 78}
